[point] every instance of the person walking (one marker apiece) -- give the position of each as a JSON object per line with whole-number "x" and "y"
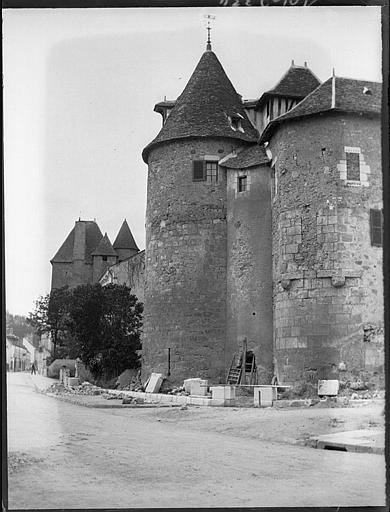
{"x": 33, "y": 369}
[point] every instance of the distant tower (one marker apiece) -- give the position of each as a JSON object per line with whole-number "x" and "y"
{"x": 72, "y": 264}
{"x": 124, "y": 244}
{"x": 103, "y": 257}
{"x": 186, "y": 226}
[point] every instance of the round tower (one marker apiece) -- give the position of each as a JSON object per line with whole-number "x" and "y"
{"x": 327, "y": 264}
{"x": 186, "y": 227}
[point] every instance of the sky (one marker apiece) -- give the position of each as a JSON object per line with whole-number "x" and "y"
{"x": 79, "y": 90}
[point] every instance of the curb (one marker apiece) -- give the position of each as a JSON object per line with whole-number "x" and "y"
{"x": 333, "y": 442}
{"x": 109, "y": 406}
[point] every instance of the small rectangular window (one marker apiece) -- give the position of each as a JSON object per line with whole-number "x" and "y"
{"x": 242, "y": 183}
{"x": 199, "y": 173}
{"x": 353, "y": 166}
{"x": 212, "y": 172}
{"x": 376, "y": 227}
{"x": 104, "y": 258}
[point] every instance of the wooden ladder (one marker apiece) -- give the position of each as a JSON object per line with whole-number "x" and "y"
{"x": 234, "y": 374}
{"x": 237, "y": 376}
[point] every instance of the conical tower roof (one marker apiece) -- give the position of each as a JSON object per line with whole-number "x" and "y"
{"x": 104, "y": 248}
{"x": 125, "y": 239}
{"x": 204, "y": 107}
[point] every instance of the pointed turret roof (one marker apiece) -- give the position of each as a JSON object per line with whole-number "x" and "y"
{"x": 125, "y": 239}
{"x": 204, "y": 107}
{"x": 92, "y": 237}
{"x": 104, "y": 248}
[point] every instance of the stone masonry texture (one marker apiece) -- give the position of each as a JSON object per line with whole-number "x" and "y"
{"x": 249, "y": 268}
{"x": 327, "y": 275}
{"x": 185, "y": 265}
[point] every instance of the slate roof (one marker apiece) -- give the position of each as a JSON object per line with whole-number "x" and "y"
{"x": 104, "y": 248}
{"x": 297, "y": 82}
{"x": 93, "y": 235}
{"x": 250, "y": 157}
{"x": 203, "y": 108}
{"x": 125, "y": 239}
{"x": 349, "y": 97}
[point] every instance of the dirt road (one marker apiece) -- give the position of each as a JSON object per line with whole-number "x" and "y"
{"x": 76, "y": 457}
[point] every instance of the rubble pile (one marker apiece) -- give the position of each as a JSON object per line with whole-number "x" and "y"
{"x": 56, "y": 388}
{"x": 134, "y": 385}
{"x": 178, "y": 391}
{"x": 368, "y": 395}
{"x": 86, "y": 388}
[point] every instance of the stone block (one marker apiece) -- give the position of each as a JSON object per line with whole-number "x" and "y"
{"x": 154, "y": 383}
{"x": 223, "y": 392}
{"x": 328, "y": 387}
{"x": 73, "y": 381}
{"x": 264, "y": 396}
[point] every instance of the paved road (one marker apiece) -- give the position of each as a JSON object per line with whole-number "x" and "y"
{"x": 76, "y": 457}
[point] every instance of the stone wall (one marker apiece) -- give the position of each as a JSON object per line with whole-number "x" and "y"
{"x": 71, "y": 274}
{"x": 130, "y": 272}
{"x": 327, "y": 275}
{"x": 249, "y": 268}
{"x": 100, "y": 266}
{"x": 185, "y": 288}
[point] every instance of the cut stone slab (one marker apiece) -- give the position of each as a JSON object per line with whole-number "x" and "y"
{"x": 154, "y": 383}
{"x": 328, "y": 387}
{"x": 367, "y": 440}
{"x": 263, "y": 396}
{"x": 196, "y": 386}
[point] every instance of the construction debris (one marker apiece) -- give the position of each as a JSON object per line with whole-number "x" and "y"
{"x": 154, "y": 383}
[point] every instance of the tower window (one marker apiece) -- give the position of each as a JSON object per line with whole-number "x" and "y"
{"x": 376, "y": 227}
{"x": 199, "y": 173}
{"x": 212, "y": 172}
{"x": 353, "y": 166}
{"x": 242, "y": 183}
{"x": 104, "y": 258}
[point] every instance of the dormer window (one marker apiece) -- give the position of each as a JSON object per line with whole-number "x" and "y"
{"x": 367, "y": 91}
{"x": 235, "y": 122}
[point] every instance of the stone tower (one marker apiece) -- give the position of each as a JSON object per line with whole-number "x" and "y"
{"x": 72, "y": 264}
{"x": 103, "y": 257}
{"x": 186, "y": 226}
{"x": 124, "y": 243}
{"x": 327, "y": 265}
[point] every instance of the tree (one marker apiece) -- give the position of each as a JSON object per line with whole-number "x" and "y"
{"x": 51, "y": 316}
{"x": 100, "y": 325}
{"x": 106, "y": 325}
{"x": 18, "y": 325}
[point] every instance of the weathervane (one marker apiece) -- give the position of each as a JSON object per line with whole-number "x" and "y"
{"x": 208, "y": 17}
